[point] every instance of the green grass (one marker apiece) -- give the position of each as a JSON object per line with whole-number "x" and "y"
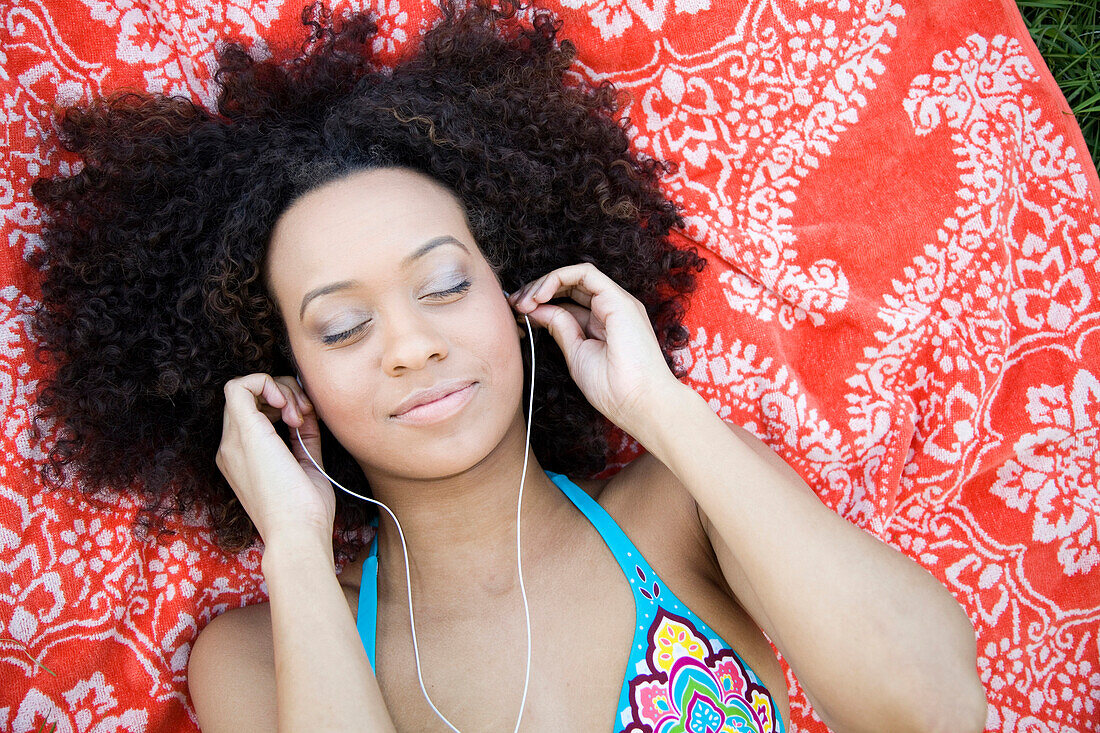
{"x": 1067, "y": 33}
{"x": 41, "y": 728}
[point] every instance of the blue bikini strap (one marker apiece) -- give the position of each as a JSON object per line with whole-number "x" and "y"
{"x": 626, "y": 554}
{"x": 366, "y": 620}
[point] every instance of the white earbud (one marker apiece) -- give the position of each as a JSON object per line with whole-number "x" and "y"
{"x": 404, "y": 549}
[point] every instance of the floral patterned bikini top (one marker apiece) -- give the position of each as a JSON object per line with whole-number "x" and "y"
{"x": 681, "y": 676}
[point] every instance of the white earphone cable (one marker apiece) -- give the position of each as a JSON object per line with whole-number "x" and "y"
{"x": 519, "y": 554}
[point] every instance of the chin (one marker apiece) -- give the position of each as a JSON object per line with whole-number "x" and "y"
{"x": 437, "y": 451}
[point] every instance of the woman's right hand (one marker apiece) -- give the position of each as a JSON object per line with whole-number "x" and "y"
{"x": 279, "y": 487}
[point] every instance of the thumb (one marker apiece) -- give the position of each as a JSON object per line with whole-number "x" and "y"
{"x": 562, "y": 325}
{"x": 310, "y": 433}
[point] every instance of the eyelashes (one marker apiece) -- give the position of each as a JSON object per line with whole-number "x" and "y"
{"x": 462, "y": 287}
{"x": 337, "y": 337}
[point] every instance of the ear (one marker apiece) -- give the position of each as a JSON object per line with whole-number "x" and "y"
{"x": 519, "y": 324}
{"x": 523, "y": 321}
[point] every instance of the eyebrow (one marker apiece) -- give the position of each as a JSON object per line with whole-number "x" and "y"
{"x": 343, "y": 284}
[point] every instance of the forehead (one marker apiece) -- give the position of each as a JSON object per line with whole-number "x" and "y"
{"x": 368, "y": 219}
{"x": 366, "y": 204}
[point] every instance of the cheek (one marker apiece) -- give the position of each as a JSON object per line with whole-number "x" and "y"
{"x": 504, "y": 348}
{"x": 498, "y": 353}
{"x": 342, "y": 405}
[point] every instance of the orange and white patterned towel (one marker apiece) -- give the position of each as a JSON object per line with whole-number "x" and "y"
{"x": 902, "y": 222}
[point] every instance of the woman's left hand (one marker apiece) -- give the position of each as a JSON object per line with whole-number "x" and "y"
{"x": 607, "y": 338}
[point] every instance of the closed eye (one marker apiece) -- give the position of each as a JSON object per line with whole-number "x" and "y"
{"x": 462, "y": 287}
{"x": 343, "y": 335}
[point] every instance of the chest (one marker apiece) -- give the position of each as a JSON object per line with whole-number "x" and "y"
{"x": 584, "y": 622}
{"x": 474, "y": 667}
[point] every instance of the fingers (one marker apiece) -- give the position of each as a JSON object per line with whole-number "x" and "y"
{"x": 588, "y": 323}
{"x": 302, "y": 406}
{"x": 564, "y": 328}
{"x": 278, "y": 397}
{"x": 581, "y": 282}
{"x": 309, "y": 433}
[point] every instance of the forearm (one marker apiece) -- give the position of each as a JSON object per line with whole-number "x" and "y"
{"x": 874, "y": 638}
{"x": 324, "y": 681}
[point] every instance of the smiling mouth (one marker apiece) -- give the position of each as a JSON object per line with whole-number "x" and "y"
{"x": 439, "y": 409}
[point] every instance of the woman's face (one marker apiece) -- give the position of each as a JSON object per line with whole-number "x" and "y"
{"x": 384, "y": 293}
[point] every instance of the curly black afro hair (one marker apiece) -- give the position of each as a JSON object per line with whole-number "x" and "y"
{"x": 153, "y": 292}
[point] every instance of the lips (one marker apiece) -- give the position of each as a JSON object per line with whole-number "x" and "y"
{"x": 424, "y": 396}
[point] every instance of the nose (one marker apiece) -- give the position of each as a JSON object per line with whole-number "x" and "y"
{"x": 411, "y": 341}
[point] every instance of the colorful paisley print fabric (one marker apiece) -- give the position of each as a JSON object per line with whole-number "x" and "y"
{"x": 691, "y": 688}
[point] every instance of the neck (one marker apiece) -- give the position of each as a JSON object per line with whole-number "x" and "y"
{"x": 460, "y": 530}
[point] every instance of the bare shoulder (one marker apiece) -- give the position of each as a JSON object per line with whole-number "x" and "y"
{"x": 231, "y": 672}
{"x": 662, "y": 518}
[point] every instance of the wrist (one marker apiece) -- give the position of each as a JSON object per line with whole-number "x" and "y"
{"x": 296, "y": 547}
{"x": 661, "y": 412}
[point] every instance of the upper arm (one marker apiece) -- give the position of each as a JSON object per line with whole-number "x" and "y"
{"x": 727, "y": 572}
{"x": 734, "y": 574}
{"x": 231, "y": 674}
{"x": 720, "y": 562}
{"x": 713, "y": 559}
{"x": 731, "y": 569}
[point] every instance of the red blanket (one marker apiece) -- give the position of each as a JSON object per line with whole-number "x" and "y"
{"x": 902, "y": 224}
